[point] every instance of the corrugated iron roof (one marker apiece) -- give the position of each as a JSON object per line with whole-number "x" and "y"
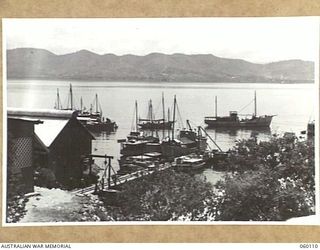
{"x": 41, "y": 113}
{"x": 33, "y": 120}
{"x": 52, "y": 121}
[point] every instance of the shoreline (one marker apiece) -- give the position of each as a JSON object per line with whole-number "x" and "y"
{"x": 156, "y": 81}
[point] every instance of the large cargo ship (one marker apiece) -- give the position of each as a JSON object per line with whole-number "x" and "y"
{"x": 234, "y": 120}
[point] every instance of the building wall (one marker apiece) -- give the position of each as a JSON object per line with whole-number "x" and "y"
{"x": 19, "y": 157}
{"x": 67, "y": 151}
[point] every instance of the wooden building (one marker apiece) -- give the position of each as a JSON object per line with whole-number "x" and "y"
{"x": 20, "y": 161}
{"x": 60, "y": 142}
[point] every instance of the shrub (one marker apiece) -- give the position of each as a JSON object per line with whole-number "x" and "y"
{"x": 271, "y": 180}
{"x": 165, "y": 195}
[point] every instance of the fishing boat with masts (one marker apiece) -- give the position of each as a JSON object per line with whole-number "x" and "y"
{"x": 91, "y": 119}
{"x": 137, "y": 142}
{"x": 94, "y": 120}
{"x": 188, "y": 140}
{"x": 151, "y": 123}
{"x": 234, "y": 121}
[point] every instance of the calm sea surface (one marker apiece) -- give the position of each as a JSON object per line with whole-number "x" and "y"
{"x": 293, "y": 104}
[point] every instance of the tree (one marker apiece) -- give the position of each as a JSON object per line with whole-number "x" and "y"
{"x": 165, "y": 195}
{"x": 271, "y": 180}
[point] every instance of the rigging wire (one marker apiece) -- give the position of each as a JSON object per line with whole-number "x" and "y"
{"x": 156, "y": 111}
{"x": 100, "y": 109}
{"x": 179, "y": 116}
{"x": 68, "y": 101}
{"x": 147, "y": 110}
{"x": 246, "y": 106}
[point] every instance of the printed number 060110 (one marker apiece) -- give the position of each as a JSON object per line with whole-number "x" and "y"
{"x": 308, "y": 245}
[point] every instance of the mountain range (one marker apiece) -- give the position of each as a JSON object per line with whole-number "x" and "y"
{"x": 35, "y": 63}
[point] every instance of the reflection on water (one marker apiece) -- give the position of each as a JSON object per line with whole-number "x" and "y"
{"x": 226, "y": 137}
{"x": 234, "y": 132}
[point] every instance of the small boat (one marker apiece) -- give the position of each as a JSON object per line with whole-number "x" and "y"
{"x": 213, "y": 156}
{"x": 189, "y": 162}
{"x": 233, "y": 120}
{"x": 137, "y": 143}
{"x": 188, "y": 141}
{"x": 136, "y": 163}
{"x": 94, "y": 120}
{"x": 140, "y": 136}
{"x": 133, "y": 147}
{"x": 151, "y": 123}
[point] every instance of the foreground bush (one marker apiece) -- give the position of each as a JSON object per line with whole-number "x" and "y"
{"x": 265, "y": 181}
{"x": 271, "y": 180}
{"x": 163, "y": 196}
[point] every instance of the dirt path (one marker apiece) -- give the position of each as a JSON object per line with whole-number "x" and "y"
{"x": 54, "y": 205}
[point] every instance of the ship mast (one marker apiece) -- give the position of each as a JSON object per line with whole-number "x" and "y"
{"x": 216, "y": 106}
{"x": 71, "y": 97}
{"x": 58, "y": 99}
{"x": 163, "y": 110}
{"x": 169, "y": 121}
{"x": 189, "y": 125}
{"x": 97, "y": 104}
{"x": 81, "y": 104}
{"x": 255, "y": 104}
{"x": 136, "y": 108}
{"x": 150, "y": 114}
{"x": 174, "y": 115}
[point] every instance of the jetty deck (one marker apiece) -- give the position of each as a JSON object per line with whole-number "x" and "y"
{"x": 123, "y": 179}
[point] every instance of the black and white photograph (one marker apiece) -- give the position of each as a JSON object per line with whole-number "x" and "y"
{"x": 161, "y": 121}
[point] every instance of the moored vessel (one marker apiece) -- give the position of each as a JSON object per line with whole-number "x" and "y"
{"x": 188, "y": 141}
{"x": 137, "y": 143}
{"x": 154, "y": 124}
{"x": 189, "y": 162}
{"x": 234, "y": 120}
{"x": 92, "y": 120}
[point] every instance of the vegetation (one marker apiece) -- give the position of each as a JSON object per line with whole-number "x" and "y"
{"x": 265, "y": 181}
{"x": 272, "y": 180}
{"x": 163, "y": 196}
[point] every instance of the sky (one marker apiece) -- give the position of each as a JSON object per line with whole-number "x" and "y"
{"x": 259, "y": 40}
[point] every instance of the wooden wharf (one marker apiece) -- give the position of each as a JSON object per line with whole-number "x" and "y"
{"x": 118, "y": 180}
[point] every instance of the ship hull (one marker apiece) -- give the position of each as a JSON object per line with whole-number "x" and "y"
{"x": 186, "y": 167}
{"x": 101, "y": 127}
{"x": 171, "y": 149}
{"x": 131, "y": 149}
{"x": 153, "y": 125}
{"x": 255, "y": 122}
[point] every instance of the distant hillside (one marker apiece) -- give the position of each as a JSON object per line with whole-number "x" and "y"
{"x": 155, "y": 67}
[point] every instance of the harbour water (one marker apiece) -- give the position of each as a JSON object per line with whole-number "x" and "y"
{"x": 293, "y": 104}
